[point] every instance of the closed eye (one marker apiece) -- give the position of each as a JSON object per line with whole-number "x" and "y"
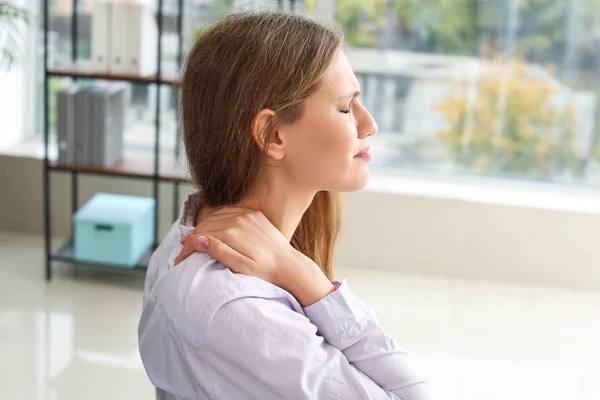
{"x": 345, "y": 111}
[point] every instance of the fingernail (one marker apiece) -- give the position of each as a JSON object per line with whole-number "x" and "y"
{"x": 183, "y": 239}
{"x": 203, "y": 240}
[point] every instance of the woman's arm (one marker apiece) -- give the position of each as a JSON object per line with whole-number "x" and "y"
{"x": 247, "y": 243}
{"x": 262, "y": 350}
{"x": 350, "y": 325}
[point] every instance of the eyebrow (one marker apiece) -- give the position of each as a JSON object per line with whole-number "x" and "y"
{"x": 352, "y": 94}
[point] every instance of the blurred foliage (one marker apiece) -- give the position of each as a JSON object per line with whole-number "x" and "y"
{"x": 56, "y": 85}
{"x": 537, "y": 30}
{"x": 212, "y": 11}
{"x": 563, "y": 36}
{"x": 444, "y": 27}
{"x": 361, "y": 20}
{"x": 11, "y": 16}
{"x": 310, "y": 5}
{"x": 512, "y": 127}
{"x": 447, "y": 27}
{"x": 199, "y": 31}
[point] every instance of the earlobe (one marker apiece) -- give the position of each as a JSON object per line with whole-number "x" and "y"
{"x": 275, "y": 149}
{"x": 266, "y": 135}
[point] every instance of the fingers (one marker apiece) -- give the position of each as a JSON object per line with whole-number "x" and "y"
{"x": 230, "y": 210}
{"x": 188, "y": 250}
{"x": 226, "y": 210}
{"x": 191, "y": 244}
{"x": 216, "y": 222}
{"x": 219, "y": 222}
{"x": 218, "y": 250}
{"x": 227, "y": 256}
{"x": 225, "y": 225}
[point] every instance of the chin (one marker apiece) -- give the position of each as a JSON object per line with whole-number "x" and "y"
{"x": 357, "y": 183}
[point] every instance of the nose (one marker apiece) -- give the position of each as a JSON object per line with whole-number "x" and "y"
{"x": 367, "y": 126}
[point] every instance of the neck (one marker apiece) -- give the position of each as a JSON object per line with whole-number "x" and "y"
{"x": 283, "y": 204}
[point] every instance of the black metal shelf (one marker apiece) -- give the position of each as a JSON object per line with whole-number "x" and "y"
{"x": 65, "y": 254}
{"x": 84, "y": 70}
{"x": 136, "y": 166}
{"x": 157, "y": 168}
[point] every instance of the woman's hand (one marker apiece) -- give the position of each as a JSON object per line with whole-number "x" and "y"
{"x": 244, "y": 240}
{"x": 248, "y": 243}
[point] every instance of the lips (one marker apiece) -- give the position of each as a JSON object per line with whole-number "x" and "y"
{"x": 363, "y": 152}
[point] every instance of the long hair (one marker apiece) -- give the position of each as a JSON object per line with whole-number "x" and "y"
{"x": 243, "y": 64}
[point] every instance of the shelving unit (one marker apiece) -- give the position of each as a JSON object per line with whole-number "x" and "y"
{"x": 132, "y": 165}
{"x": 65, "y": 252}
{"x": 155, "y": 167}
{"x": 84, "y": 69}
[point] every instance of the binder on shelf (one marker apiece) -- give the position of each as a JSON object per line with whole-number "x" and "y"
{"x": 118, "y": 39}
{"x": 124, "y": 37}
{"x": 101, "y": 34}
{"x": 65, "y": 124}
{"x": 108, "y": 123}
{"x": 83, "y": 125}
{"x": 140, "y": 38}
{"x": 91, "y": 122}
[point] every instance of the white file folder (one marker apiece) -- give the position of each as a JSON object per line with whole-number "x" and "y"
{"x": 141, "y": 38}
{"x": 119, "y": 38}
{"x": 101, "y": 31}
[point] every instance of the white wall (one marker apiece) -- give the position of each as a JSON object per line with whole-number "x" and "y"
{"x": 408, "y": 233}
{"x": 11, "y": 105}
{"x": 473, "y": 240}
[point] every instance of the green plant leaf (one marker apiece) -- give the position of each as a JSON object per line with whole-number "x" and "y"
{"x": 11, "y": 16}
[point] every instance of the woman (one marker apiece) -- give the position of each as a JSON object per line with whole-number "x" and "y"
{"x": 273, "y": 129}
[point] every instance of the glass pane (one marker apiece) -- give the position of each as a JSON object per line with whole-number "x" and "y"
{"x": 59, "y": 31}
{"x": 490, "y": 87}
{"x": 486, "y": 87}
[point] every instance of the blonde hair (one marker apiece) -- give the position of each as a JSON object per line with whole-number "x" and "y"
{"x": 245, "y": 63}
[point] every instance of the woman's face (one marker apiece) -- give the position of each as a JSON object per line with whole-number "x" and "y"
{"x": 327, "y": 148}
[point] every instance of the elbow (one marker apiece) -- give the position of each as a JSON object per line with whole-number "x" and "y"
{"x": 415, "y": 391}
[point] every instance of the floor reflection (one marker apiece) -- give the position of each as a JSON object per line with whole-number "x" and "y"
{"x": 76, "y": 337}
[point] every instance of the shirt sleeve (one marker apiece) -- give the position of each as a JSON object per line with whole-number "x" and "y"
{"x": 350, "y": 326}
{"x": 261, "y": 349}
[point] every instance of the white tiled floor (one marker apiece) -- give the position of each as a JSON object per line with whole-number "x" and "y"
{"x": 75, "y": 338}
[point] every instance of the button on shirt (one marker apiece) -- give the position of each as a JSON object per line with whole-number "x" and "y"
{"x": 208, "y": 333}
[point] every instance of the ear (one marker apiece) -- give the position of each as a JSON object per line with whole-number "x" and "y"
{"x": 262, "y": 123}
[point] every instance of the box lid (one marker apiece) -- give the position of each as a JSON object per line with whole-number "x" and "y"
{"x": 114, "y": 208}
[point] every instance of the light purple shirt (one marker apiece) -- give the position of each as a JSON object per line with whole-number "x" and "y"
{"x": 208, "y": 333}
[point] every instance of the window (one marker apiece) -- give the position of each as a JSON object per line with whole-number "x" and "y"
{"x": 486, "y": 87}
{"x": 490, "y": 87}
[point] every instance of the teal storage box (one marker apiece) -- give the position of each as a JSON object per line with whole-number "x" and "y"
{"x": 114, "y": 229}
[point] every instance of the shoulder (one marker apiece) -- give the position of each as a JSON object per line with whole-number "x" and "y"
{"x": 159, "y": 262}
{"x": 200, "y": 288}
